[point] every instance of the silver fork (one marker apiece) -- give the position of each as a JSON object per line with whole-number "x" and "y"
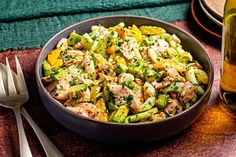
{"x": 10, "y": 98}
{"x": 49, "y": 148}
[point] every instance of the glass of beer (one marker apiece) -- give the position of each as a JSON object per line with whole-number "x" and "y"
{"x": 228, "y": 62}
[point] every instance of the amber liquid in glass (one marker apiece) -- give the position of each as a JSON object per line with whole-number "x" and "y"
{"x": 228, "y": 65}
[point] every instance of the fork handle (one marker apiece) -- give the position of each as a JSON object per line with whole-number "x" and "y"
{"x": 24, "y": 145}
{"x": 49, "y": 148}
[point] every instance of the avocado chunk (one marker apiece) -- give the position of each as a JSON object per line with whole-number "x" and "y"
{"x": 101, "y": 48}
{"x": 173, "y": 87}
{"x": 162, "y": 100}
{"x": 150, "y": 75}
{"x": 86, "y": 41}
{"x": 75, "y": 92}
{"x": 73, "y": 39}
{"x": 46, "y": 69}
{"x": 121, "y": 68}
{"x": 121, "y": 114}
{"x": 57, "y": 74}
{"x": 148, "y": 104}
{"x": 136, "y": 68}
{"x": 141, "y": 115}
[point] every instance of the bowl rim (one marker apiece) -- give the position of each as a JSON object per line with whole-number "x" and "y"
{"x": 58, "y": 104}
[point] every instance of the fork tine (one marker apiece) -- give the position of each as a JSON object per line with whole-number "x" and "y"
{"x": 10, "y": 81}
{"x": 2, "y": 88}
{"x": 20, "y": 77}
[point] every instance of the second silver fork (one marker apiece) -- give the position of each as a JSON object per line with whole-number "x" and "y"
{"x": 49, "y": 148}
{"x": 13, "y": 93}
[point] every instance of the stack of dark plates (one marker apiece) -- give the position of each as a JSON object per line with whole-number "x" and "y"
{"x": 209, "y": 15}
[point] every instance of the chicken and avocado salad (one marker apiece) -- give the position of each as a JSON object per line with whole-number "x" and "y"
{"x": 124, "y": 74}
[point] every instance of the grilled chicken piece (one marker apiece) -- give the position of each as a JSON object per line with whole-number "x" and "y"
{"x": 85, "y": 109}
{"x": 172, "y": 72}
{"x": 63, "y": 86}
{"x": 173, "y": 107}
{"x": 188, "y": 92}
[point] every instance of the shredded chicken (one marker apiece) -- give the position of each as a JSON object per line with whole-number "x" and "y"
{"x": 189, "y": 92}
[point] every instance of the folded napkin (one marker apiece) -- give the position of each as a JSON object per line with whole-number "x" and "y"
{"x": 29, "y": 24}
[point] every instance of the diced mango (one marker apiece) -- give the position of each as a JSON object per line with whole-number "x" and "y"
{"x": 111, "y": 50}
{"x": 152, "y": 30}
{"x": 53, "y": 55}
{"x": 121, "y": 33}
{"x": 135, "y": 32}
{"x": 170, "y": 63}
{"x": 58, "y": 63}
{"x": 120, "y": 60}
{"x": 101, "y": 104}
{"x": 94, "y": 93}
{"x": 102, "y": 116}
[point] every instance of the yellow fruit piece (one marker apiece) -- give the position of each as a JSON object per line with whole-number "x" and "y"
{"x": 201, "y": 76}
{"x": 53, "y": 55}
{"x": 121, "y": 32}
{"x": 135, "y": 32}
{"x": 170, "y": 63}
{"x": 58, "y": 63}
{"x": 152, "y": 30}
{"x": 102, "y": 116}
{"x": 94, "y": 93}
{"x": 119, "y": 60}
{"x": 100, "y": 104}
{"x": 111, "y": 50}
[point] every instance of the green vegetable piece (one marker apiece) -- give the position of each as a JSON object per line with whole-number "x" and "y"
{"x": 179, "y": 50}
{"x": 109, "y": 97}
{"x": 73, "y": 39}
{"x": 162, "y": 100}
{"x": 97, "y": 58}
{"x": 86, "y": 41}
{"x": 111, "y": 116}
{"x": 150, "y": 75}
{"x": 57, "y": 74}
{"x": 136, "y": 68}
{"x": 188, "y": 104}
{"x": 112, "y": 106}
{"x": 200, "y": 90}
{"x": 201, "y": 76}
{"x": 101, "y": 48}
{"x": 121, "y": 114}
{"x": 46, "y": 69}
{"x": 75, "y": 91}
{"x": 145, "y": 42}
{"x": 190, "y": 76}
{"x": 106, "y": 91}
{"x": 95, "y": 45}
{"x": 171, "y": 52}
{"x": 79, "y": 87}
{"x": 173, "y": 87}
{"x": 165, "y": 36}
{"x": 121, "y": 68}
{"x": 141, "y": 115}
{"x": 148, "y": 104}
{"x": 186, "y": 57}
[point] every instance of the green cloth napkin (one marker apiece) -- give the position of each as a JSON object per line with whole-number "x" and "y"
{"x": 29, "y": 24}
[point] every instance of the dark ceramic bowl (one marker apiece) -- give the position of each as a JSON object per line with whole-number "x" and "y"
{"x": 125, "y": 133}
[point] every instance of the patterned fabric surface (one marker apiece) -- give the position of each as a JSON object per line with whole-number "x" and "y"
{"x": 29, "y": 24}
